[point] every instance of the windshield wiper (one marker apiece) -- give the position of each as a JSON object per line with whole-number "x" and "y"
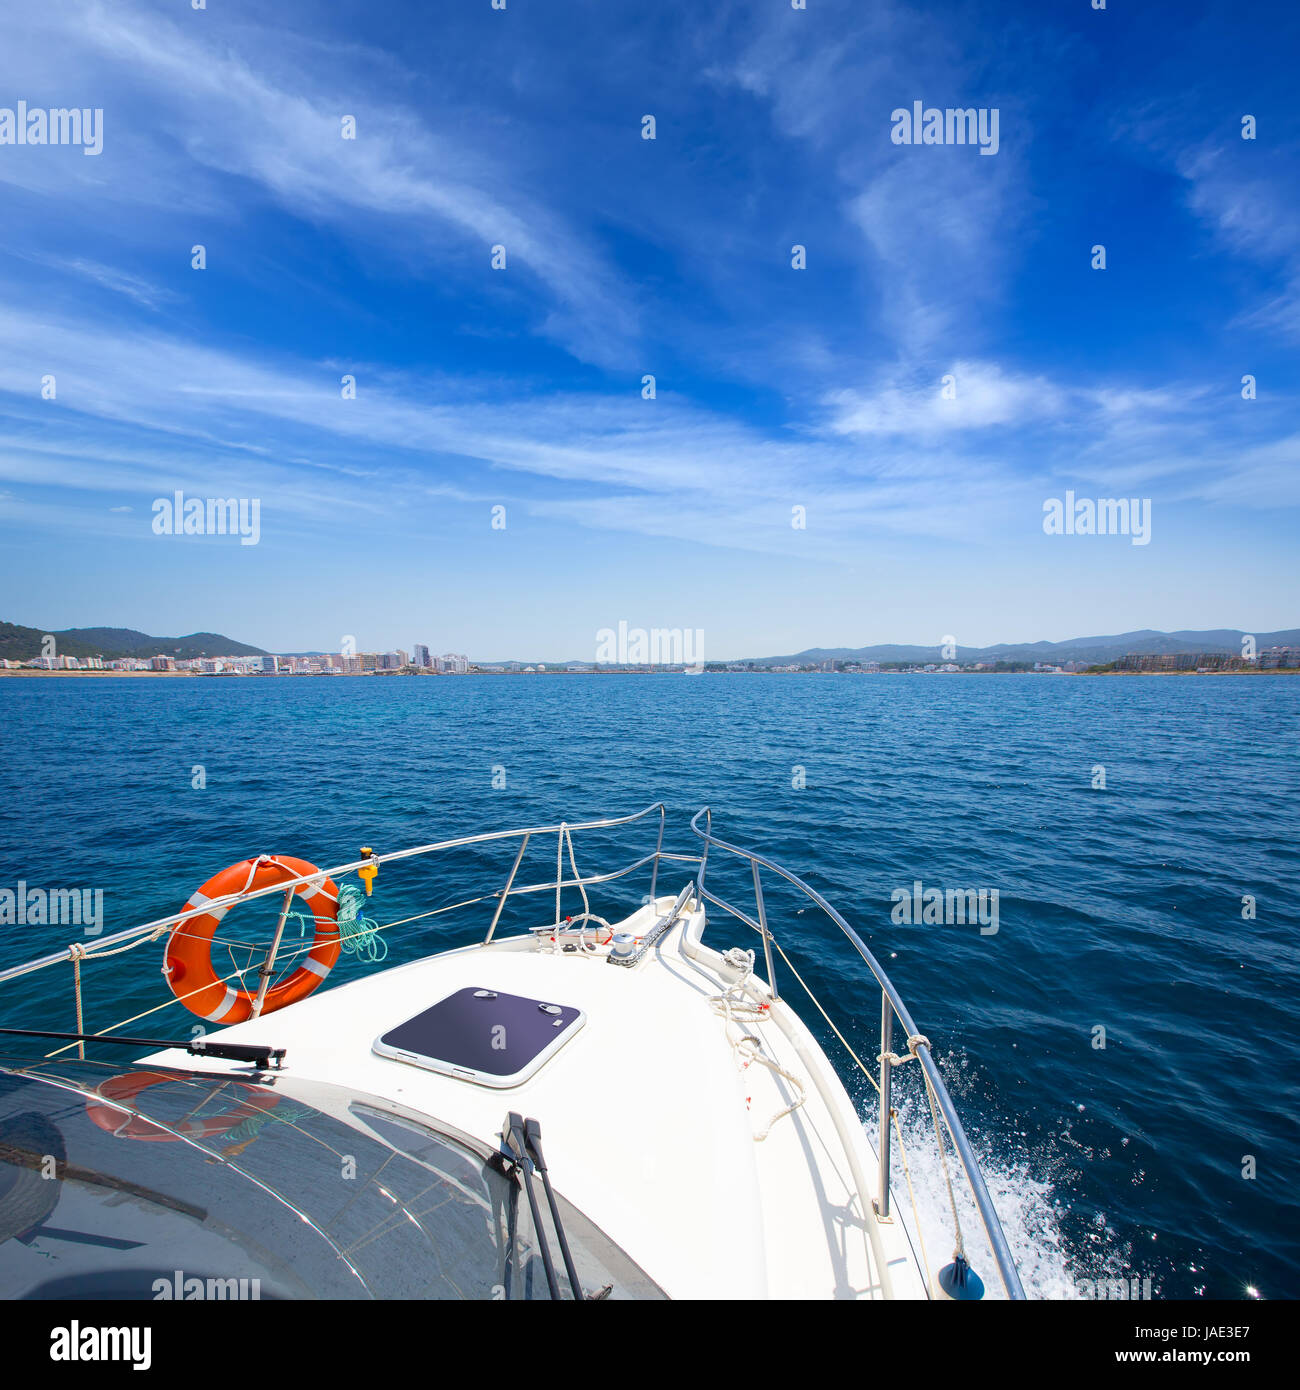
{"x": 533, "y": 1139}
{"x": 512, "y": 1134}
{"x": 262, "y": 1056}
{"x": 522, "y": 1143}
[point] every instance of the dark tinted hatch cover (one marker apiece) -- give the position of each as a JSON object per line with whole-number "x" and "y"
{"x": 484, "y": 1034}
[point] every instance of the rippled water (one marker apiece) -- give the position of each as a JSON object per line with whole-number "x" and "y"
{"x": 1119, "y": 908}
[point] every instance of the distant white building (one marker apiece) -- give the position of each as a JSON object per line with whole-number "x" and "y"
{"x": 422, "y": 656}
{"x": 457, "y": 665}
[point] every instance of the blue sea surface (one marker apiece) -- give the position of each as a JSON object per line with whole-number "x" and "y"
{"x": 1120, "y": 907}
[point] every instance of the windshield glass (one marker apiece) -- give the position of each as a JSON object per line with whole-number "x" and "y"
{"x": 152, "y": 1184}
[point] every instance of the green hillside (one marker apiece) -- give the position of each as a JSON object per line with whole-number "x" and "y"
{"x": 19, "y": 643}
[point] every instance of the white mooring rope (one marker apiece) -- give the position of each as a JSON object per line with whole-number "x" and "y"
{"x": 734, "y": 1006}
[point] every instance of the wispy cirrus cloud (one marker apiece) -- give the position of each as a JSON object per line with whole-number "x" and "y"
{"x": 134, "y": 287}
{"x": 186, "y": 416}
{"x": 1244, "y": 191}
{"x": 283, "y": 133}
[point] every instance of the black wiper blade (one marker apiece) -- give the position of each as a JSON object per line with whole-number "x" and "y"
{"x": 512, "y": 1135}
{"x": 262, "y": 1056}
{"x": 533, "y": 1141}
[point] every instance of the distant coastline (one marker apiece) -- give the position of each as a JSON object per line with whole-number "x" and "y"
{"x": 27, "y": 672}
{"x": 635, "y": 651}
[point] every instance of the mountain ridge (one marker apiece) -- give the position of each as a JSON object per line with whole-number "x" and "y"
{"x": 1142, "y": 642}
{"x": 19, "y": 643}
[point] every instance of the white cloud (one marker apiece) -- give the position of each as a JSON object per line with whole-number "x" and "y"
{"x": 981, "y": 395}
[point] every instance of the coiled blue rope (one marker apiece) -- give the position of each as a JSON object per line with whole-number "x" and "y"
{"x": 359, "y": 935}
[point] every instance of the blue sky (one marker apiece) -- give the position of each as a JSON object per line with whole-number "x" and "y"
{"x": 777, "y": 388}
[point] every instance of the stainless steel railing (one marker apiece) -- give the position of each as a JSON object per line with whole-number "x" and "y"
{"x": 106, "y": 945}
{"x": 892, "y": 1007}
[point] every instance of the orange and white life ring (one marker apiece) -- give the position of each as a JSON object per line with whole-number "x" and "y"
{"x": 120, "y": 1122}
{"x": 188, "y": 961}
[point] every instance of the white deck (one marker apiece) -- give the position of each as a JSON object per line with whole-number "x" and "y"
{"x": 647, "y": 1117}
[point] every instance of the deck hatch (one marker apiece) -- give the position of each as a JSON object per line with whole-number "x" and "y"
{"x": 483, "y": 1035}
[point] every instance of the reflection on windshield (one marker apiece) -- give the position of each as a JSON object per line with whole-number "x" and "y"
{"x": 158, "y": 1184}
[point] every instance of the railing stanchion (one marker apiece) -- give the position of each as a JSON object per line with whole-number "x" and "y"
{"x": 559, "y": 872}
{"x": 767, "y": 937}
{"x": 268, "y": 966}
{"x": 886, "y": 1072}
{"x": 659, "y": 849}
{"x": 505, "y": 892}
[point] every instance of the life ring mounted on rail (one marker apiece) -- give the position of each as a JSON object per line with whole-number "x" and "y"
{"x": 187, "y": 964}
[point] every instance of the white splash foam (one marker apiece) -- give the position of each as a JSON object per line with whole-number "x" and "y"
{"x": 1028, "y": 1206}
